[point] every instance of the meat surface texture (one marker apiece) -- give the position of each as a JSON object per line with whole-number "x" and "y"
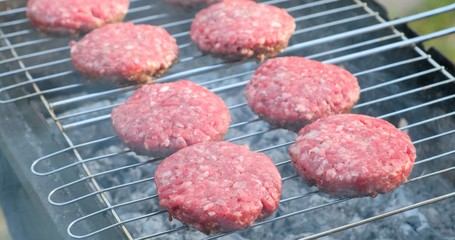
{"x": 125, "y": 52}
{"x": 291, "y": 92}
{"x": 353, "y": 155}
{"x": 237, "y": 30}
{"x": 159, "y": 119}
{"x": 74, "y": 16}
{"x": 218, "y": 186}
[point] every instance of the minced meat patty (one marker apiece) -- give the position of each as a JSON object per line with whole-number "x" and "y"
{"x": 159, "y": 119}
{"x": 74, "y": 16}
{"x": 353, "y": 155}
{"x": 237, "y": 30}
{"x": 124, "y": 51}
{"x": 218, "y": 186}
{"x": 293, "y": 91}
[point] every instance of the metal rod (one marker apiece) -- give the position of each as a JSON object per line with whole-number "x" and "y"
{"x": 393, "y": 45}
{"x": 79, "y": 100}
{"x": 68, "y": 149}
{"x": 330, "y": 24}
{"x": 380, "y": 216}
{"x": 416, "y": 90}
{"x": 364, "y": 30}
{"x": 205, "y": 69}
{"x": 402, "y": 79}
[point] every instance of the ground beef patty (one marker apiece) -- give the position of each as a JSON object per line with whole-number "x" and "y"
{"x": 73, "y": 16}
{"x": 159, "y": 119}
{"x": 293, "y": 91}
{"x": 218, "y": 186}
{"x": 237, "y": 30}
{"x": 353, "y": 155}
{"x": 125, "y": 51}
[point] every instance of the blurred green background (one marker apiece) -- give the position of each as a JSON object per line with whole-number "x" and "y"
{"x": 396, "y": 8}
{"x": 3, "y": 229}
{"x": 446, "y": 45}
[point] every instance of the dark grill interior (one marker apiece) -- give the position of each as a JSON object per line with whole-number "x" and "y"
{"x": 111, "y": 190}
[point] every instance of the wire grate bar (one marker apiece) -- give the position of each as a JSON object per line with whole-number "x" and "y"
{"x": 66, "y": 150}
{"x": 13, "y": 11}
{"x": 240, "y": 84}
{"x": 310, "y": 4}
{"x": 23, "y": 9}
{"x": 36, "y": 54}
{"x": 150, "y": 18}
{"x": 24, "y": 32}
{"x": 91, "y": 177}
{"x": 12, "y": 23}
{"x": 40, "y": 93}
{"x": 388, "y": 115}
{"x": 306, "y": 5}
{"x": 171, "y": 77}
{"x": 14, "y": 34}
{"x": 179, "y": 22}
{"x": 164, "y": 232}
{"x": 434, "y": 137}
{"x": 286, "y": 216}
{"x": 227, "y": 87}
{"x": 328, "y": 12}
{"x": 114, "y": 207}
{"x": 391, "y": 65}
{"x": 393, "y": 96}
{"x": 347, "y": 226}
{"x": 85, "y": 161}
{"x": 283, "y": 179}
{"x": 102, "y": 198}
{"x": 394, "y": 45}
{"x": 111, "y": 226}
{"x": 261, "y": 150}
{"x": 25, "y": 44}
{"x": 417, "y": 106}
{"x": 325, "y": 25}
{"x": 281, "y": 201}
{"x": 25, "y": 20}
{"x": 34, "y": 67}
{"x": 73, "y": 112}
{"x": 372, "y": 28}
{"x": 381, "y": 216}
{"x": 88, "y": 111}
{"x": 35, "y": 80}
{"x": 288, "y": 143}
{"x": 434, "y": 158}
{"x": 76, "y": 199}
{"x": 353, "y": 46}
{"x": 56, "y": 105}
{"x": 69, "y": 126}
{"x": 398, "y": 80}
{"x": 428, "y": 120}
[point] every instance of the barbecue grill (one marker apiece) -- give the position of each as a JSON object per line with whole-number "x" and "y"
{"x": 56, "y": 135}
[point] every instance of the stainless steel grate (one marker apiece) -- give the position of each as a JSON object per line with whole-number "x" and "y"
{"x": 400, "y": 83}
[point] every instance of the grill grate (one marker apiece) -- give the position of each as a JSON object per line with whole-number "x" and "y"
{"x": 400, "y": 83}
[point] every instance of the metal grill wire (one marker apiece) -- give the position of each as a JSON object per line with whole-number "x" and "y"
{"x": 79, "y": 108}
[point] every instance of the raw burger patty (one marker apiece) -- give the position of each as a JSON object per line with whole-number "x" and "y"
{"x": 159, "y": 119}
{"x": 353, "y": 155}
{"x": 73, "y": 16}
{"x": 237, "y": 30}
{"x": 293, "y": 91}
{"x": 218, "y": 186}
{"x": 125, "y": 51}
